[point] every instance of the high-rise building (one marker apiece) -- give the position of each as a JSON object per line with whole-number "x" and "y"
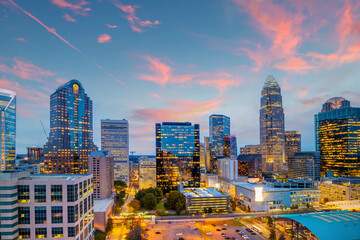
{"x": 208, "y": 154}
{"x": 35, "y": 155}
{"x": 177, "y": 155}
{"x": 250, "y": 149}
{"x": 253, "y": 164}
{"x": 233, "y": 145}
{"x": 272, "y": 136}
{"x": 337, "y": 133}
{"x": 7, "y": 129}
{"x": 71, "y": 130}
{"x": 292, "y": 143}
{"x": 202, "y": 155}
{"x": 219, "y": 126}
{"x": 46, "y": 206}
{"x": 101, "y": 166}
{"x": 304, "y": 165}
{"x": 115, "y": 139}
{"x": 226, "y": 146}
{"x": 228, "y": 169}
{"x": 147, "y": 172}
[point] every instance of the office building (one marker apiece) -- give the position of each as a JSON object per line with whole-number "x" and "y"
{"x": 115, "y": 139}
{"x": 219, "y": 126}
{"x": 202, "y": 155}
{"x": 304, "y": 165}
{"x": 272, "y": 135}
{"x": 199, "y": 200}
{"x": 226, "y": 147}
{"x": 147, "y": 172}
{"x": 7, "y": 129}
{"x": 101, "y": 166}
{"x": 250, "y": 149}
{"x": 228, "y": 169}
{"x": 233, "y": 146}
{"x": 46, "y": 206}
{"x": 337, "y": 138}
{"x": 292, "y": 143}
{"x": 177, "y": 155}
{"x": 250, "y": 165}
{"x": 340, "y": 189}
{"x": 71, "y": 130}
{"x": 35, "y": 155}
{"x": 208, "y": 162}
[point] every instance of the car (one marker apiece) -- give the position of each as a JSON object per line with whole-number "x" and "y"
{"x": 225, "y": 225}
{"x": 223, "y": 228}
{"x": 241, "y": 233}
{"x": 213, "y": 225}
{"x": 195, "y": 228}
{"x": 181, "y": 238}
{"x": 253, "y": 233}
{"x": 157, "y": 232}
{"x": 237, "y": 230}
{"x": 146, "y": 229}
{"x": 218, "y": 230}
{"x": 146, "y": 235}
{"x": 192, "y": 222}
{"x": 209, "y": 234}
{"x": 249, "y": 230}
{"x": 223, "y": 234}
{"x": 246, "y": 237}
{"x": 227, "y": 237}
{"x": 179, "y": 234}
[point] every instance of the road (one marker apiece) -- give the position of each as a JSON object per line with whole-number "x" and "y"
{"x": 130, "y": 196}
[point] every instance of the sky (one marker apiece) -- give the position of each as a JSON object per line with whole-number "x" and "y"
{"x": 179, "y": 60}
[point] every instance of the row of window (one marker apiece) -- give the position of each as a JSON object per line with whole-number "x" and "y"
{"x": 56, "y": 232}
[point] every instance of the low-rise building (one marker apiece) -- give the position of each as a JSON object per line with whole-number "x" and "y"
{"x": 200, "y": 199}
{"x": 102, "y": 210}
{"x": 340, "y": 189}
{"x": 228, "y": 168}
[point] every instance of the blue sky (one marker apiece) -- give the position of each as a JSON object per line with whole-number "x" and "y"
{"x": 154, "y": 61}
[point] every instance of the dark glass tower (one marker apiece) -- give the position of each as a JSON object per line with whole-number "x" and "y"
{"x": 233, "y": 145}
{"x": 71, "y": 130}
{"x": 337, "y": 132}
{"x": 272, "y": 136}
{"x": 177, "y": 155}
{"x": 7, "y": 129}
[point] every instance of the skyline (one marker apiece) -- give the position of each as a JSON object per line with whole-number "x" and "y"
{"x": 123, "y": 53}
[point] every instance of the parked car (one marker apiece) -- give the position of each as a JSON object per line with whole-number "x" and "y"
{"x": 209, "y": 234}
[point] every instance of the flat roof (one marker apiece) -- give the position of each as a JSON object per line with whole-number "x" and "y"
{"x": 54, "y": 177}
{"x": 103, "y": 204}
{"x": 266, "y": 188}
{"x": 203, "y": 192}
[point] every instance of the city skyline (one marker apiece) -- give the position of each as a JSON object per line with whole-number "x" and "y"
{"x": 131, "y": 70}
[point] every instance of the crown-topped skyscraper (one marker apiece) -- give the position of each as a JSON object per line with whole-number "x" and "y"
{"x": 272, "y": 135}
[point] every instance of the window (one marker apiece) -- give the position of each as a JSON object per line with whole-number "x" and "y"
{"x": 40, "y": 215}
{"x": 85, "y": 188}
{"x": 71, "y": 232}
{"x": 57, "y": 232}
{"x": 85, "y": 205}
{"x": 23, "y": 194}
{"x": 24, "y": 233}
{"x": 77, "y": 229}
{"x": 80, "y": 190}
{"x": 81, "y": 209}
{"x": 40, "y": 193}
{"x": 56, "y": 193}
{"x": 57, "y": 214}
{"x": 71, "y": 214}
{"x": 72, "y": 193}
{"x": 24, "y": 215}
{"x": 40, "y": 233}
{"x": 89, "y": 202}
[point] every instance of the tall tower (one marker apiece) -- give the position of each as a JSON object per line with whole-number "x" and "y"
{"x": 7, "y": 128}
{"x": 71, "y": 130}
{"x": 115, "y": 139}
{"x": 272, "y": 136}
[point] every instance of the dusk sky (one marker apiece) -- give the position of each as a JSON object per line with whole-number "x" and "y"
{"x": 179, "y": 60}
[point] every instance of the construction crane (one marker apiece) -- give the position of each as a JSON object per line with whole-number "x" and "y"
{"x": 47, "y": 137}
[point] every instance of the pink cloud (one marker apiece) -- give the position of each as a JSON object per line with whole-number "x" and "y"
{"x": 111, "y": 26}
{"x": 294, "y": 64}
{"x": 161, "y": 72}
{"x": 26, "y": 70}
{"x": 155, "y": 95}
{"x": 68, "y": 18}
{"x": 21, "y": 39}
{"x": 78, "y": 6}
{"x": 222, "y": 81}
{"x": 104, "y": 38}
{"x": 302, "y": 92}
{"x": 136, "y": 24}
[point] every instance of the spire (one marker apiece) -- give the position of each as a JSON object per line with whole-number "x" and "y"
{"x": 270, "y": 82}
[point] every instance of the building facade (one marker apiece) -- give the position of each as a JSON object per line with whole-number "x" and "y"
{"x": 101, "y": 166}
{"x": 250, "y": 149}
{"x": 250, "y": 164}
{"x": 340, "y": 189}
{"x": 208, "y": 161}
{"x": 35, "y": 155}
{"x": 304, "y": 165}
{"x": 272, "y": 135}
{"x": 177, "y": 155}
{"x": 219, "y": 126}
{"x": 46, "y": 206}
{"x": 71, "y": 130}
{"x": 226, "y": 147}
{"x": 337, "y": 132}
{"x": 228, "y": 168}
{"x": 147, "y": 172}
{"x": 7, "y": 129}
{"x": 115, "y": 139}
{"x": 292, "y": 143}
{"x": 233, "y": 146}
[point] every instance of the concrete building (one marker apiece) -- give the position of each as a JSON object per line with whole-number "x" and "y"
{"x": 208, "y": 154}
{"x": 210, "y": 180}
{"x": 292, "y": 143}
{"x": 304, "y": 165}
{"x": 340, "y": 189}
{"x": 199, "y": 199}
{"x": 250, "y": 149}
{"x": 102, "y": 210}
{"x": 228, "y": 168}
{"x": 101, "y": 166}
{"x": 147, "y": 172}
{"x": 46, "y": 206}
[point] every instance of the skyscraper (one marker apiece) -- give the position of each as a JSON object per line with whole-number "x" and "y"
{"x": 304, "y": 165}
{"x": 177, "y": 155}
{"x": 337, "y": 132}
{"x": 207, "y": 153}
{"x": 226, "y": 146}
{"x": 292, "y": 143}
{"x": 219, "y": 126}
{"x": 71, "y": 130}
{"x": 250, "y": 149}
{"x": 233, "y": 145}
{"x": 115, "y": 139}
{"x": 7, "y": 129}
{"x": 35, "y": 155}
{"x": 272, "y": 136}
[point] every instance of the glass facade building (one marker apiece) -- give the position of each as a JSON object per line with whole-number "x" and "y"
{"x": 233, "y": 145}
{"x": 337, "y": 134}
{"x": 219, "y": 126}
{"x": 292, "y": 143}
{"x": 7, "y": 129}
{"x": 71, "y": 130}
{"x": 304, "y": 165}
{"x": 115, "y": 139}
{"x": 177, "y": 155}
{"x": 272, "y": 135}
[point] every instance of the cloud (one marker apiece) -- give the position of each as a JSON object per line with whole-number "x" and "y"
{"x": 221, "y": 81}
{"x": 294, "y": 64}
{"x": 155, "y": 95}
{"x": 161, "y": 72}
{"x": 20, "y": 39}
{"x": 111, "y": 26}
{"x": 136, "y": 24}
{"x": 77, "y": 6}
{"x": 104, "y": 38}
{"x": 26, "y": 70}
{"x": 68, "y": 18}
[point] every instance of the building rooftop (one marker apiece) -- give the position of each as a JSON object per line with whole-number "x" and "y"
{"x": 266, "y": 188}
{"x": 54, "y": 177}
{"x": 99, "y": 154}
{"x": 202, "y": 192}
{"x": 270, "y": 82}
{"x": 103, "y": 204}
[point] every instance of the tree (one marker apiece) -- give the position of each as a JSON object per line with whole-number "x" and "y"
{"x": 156, "y": 191}
{"x": 281, "y": 207}
{"x": 210, "y": 210}
{"x": 326, "y": 200}
{"x": 119, "y": 185}
{"x": 282, "y": 237}
{"x": 172, "y": 200}
{"x": 149, "y": 201}
{"x": 109, "y": 226}
{"x": 205, "y": 210}
{"x": 135, "y": 233}
{"x": 272, "y": 235}
{"x": 270, "y": 221}
{"x": 135, "y": 205}
{"x": 307, "y": 205}
{"x": 285, "y": 207}
{"x": 248, "y": 208}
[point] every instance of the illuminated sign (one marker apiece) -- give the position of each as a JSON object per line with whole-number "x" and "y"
{"x": 258, "y": 194}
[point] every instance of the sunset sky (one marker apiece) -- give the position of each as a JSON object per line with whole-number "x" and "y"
{"x": 179, "y": 60}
